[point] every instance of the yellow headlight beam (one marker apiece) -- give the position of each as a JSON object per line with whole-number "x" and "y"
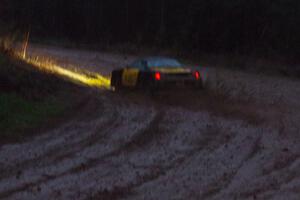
{"x": 87, "y": 78}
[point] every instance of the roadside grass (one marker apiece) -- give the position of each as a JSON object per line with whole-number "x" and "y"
{"x": 18, "y": 114}
{"x": 31, "y": 100}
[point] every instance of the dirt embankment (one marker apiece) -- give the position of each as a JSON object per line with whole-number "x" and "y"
{"x": 238, "y": 140}
{"x": 31, "y": 99}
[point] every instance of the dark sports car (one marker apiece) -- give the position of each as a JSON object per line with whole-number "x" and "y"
{"x": 155, "y": 72}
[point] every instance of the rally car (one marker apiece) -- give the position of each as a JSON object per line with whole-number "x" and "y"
{"x": 156, "y": 72}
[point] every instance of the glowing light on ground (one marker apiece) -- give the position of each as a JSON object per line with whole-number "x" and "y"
{"x": 84, "y": 77}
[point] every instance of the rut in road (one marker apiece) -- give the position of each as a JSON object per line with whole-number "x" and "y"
{"x": 52, "y": 169}
{"x": 74, "y": 148}
{"x": 132, "y": 146}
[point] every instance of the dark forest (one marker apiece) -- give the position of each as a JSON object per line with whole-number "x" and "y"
{"x": 212, "y": 26}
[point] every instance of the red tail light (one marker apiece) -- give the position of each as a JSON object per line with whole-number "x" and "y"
{"x": 197, "y": 75}
{"x": 157, "y": 76}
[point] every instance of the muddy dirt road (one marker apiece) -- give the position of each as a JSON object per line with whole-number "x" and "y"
{"x": 240, "y": 141}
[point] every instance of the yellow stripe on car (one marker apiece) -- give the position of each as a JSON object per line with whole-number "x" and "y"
{"x": 171, "y": 70}
{"x": 130, "y": 77}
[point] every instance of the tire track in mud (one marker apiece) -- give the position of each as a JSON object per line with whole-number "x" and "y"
{"x": 272, "y": 174}
{"x": 154, "y": 172}
{"x": 138, "y": 139}
{"x": 211, "y": 135}
{"x": 267, "y": 189}
{"x": 215, "y": 147}
{"x": 69, "y": 147}
{"x": 128, "y": 147}
{"x": 218, "y": 186}
{"x": 89, "y": 163}
{"x": 55, "y": 154}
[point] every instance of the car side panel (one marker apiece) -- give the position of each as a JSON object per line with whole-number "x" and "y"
{"x": 145, "y": 79}
{"x": 130, "y": 77}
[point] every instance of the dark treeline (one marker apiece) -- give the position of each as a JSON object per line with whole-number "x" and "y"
{"x": 213, "y": 26}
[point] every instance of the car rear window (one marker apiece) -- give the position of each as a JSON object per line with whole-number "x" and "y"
{"x": 163, "y": 62}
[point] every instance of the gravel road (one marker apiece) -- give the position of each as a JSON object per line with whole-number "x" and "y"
{"x": 237, "y": 140}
